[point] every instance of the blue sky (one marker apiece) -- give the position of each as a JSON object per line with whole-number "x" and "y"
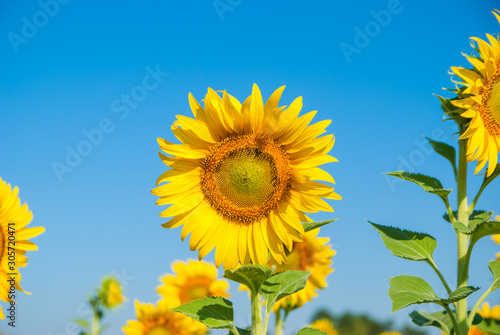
{"x": 73, "y": 72}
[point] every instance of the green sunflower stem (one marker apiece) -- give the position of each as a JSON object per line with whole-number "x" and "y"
{"x": 266, "y": 322}
{"x": 94, "y": 326}
{"x": 280, "y": 322}
{"x": 256, "y": 314}
{"x": 452, "y": 316}
{"x": 462, "y": 239}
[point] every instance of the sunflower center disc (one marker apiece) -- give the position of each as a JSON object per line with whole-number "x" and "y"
{"x": 246, "y": 177}
{"x": 197, "y": 292}
{"x": 490, "y": 108}
{"x": 494, "y": 103}
{"x": 159, "y": 330}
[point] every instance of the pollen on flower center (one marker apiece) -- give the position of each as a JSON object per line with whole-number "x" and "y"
{"x": 490, "y": 108}
{"x": 244, "y": 177}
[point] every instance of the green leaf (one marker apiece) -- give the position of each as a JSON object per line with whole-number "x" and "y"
{"x": 459, "y": 226}
{"x": 283, "y": 284}
{"x": 447, "y": 106}
{"x": 437, "y": 319}
{"x": 440, "y": 320}
{"x": 495, "y": 270}
{"x": 479, "y": 230}
{"x": 407, "y": 244}
{"x": 445, "y": 150}
{"x": 478, "y": 216}
{"x": 82, "y": 322}
{"x": 491, "y": 177}
{"x": 477, "y": 318}
{"x": 490, "y": 326}
{"x": 408, "y": 290}
{"x": 459, "y": 294}
{"x": 252, "y": 276}
{"x": 308, "y": 226}
{"x": 484, "y": 229}
{"x": 429, "y": 184}
{"x": 310, "y": 331}
{"x": 213, "y": 312}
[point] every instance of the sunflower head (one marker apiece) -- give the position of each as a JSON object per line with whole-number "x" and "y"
{"x": 190, "y": 281}
{"x": 110, "y": 292}
{"x": 14, "y": 218}
{"x": 312, "y": 254}
{"x": 244, "y": 175}
{"x": 480, "y": 100}
{"x": 160, "y": 320}
{"x": 325, "y": 325}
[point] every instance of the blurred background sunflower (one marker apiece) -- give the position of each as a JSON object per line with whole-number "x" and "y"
{"x": 160, "y": 320}
{"x": 325, "y": 325}
{"x": 190, "y": 281}
{"x": 312, "y": 254}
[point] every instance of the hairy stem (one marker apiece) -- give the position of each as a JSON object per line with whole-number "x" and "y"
{"x": 256, "y": 314}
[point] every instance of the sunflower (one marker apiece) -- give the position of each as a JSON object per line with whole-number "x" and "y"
{"x": 482, "y": 102}
{"x": 111, "y": 293}
{"x": 312, "y": 254}
{"x": 193, "y": 280}
{"x": 244, "y": 175}
{"x": 13, "y": 239}
{"x": 391, "y": 333}
{"x": 324, "y": 325}
{"x": 485, "y": 312}
{"x": 160, "y": 320}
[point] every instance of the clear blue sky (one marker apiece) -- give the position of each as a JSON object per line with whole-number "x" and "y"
{"x": 69, "y": 75}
